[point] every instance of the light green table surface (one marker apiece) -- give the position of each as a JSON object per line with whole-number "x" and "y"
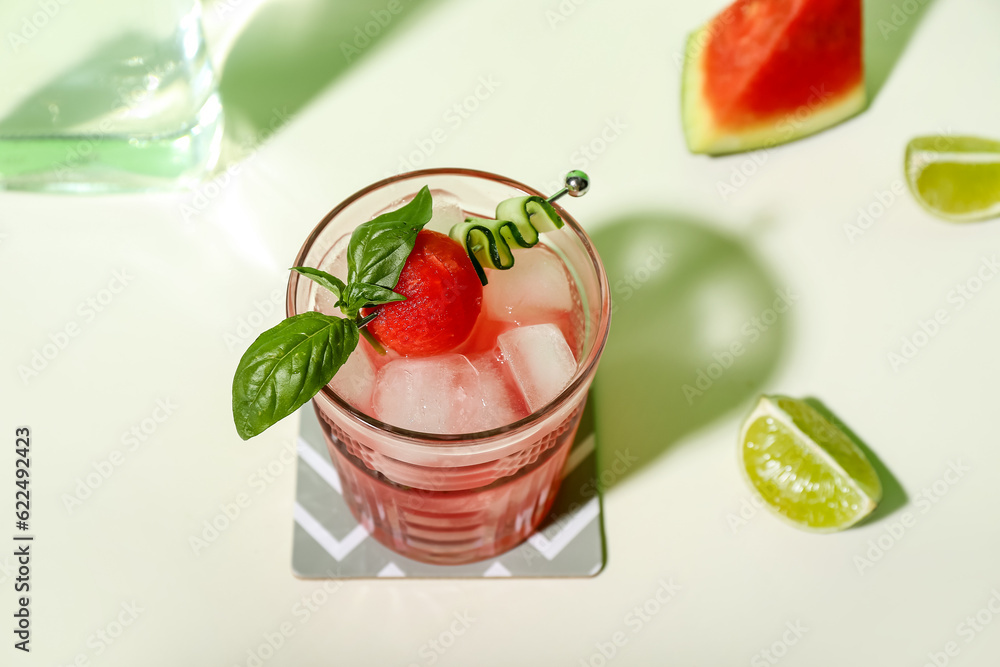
{"x": 190, "y": 270}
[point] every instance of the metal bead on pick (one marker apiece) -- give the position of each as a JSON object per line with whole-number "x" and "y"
{"x": 577, "y": 184}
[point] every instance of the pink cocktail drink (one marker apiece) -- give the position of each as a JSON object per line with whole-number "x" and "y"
{"x": 457, "y": 457}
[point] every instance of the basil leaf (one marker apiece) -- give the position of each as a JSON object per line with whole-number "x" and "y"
{"x": 332, "y": 283}
{"x": 359, "y": 295}
{"x": 286, "y": 366}
{"x": 379, "y": 248}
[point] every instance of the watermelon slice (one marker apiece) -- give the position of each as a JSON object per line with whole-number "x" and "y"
{"x": 764, "y": 72}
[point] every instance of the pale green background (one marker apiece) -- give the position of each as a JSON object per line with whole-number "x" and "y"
{"x": 200, "y": 265}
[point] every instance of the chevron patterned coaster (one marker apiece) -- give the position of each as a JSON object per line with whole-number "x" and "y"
{"x": 329, "y": 543}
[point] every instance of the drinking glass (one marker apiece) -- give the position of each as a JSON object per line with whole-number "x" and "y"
{"x": 455, "y": 498}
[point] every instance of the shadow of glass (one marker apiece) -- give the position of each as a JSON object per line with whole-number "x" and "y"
{"x": 694, "y": 335}
{"x": 889, "y": 24}
{"x": 894, "y": 496}
{"x": 288, "y": 52}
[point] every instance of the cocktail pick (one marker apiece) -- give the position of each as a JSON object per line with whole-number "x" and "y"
{"x": 577, "y": 184}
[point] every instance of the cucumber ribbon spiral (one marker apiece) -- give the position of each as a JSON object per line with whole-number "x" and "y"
{"x": 518, "y": 223}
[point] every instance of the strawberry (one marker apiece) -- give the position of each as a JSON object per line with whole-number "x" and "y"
{"x": 443, "y": 300}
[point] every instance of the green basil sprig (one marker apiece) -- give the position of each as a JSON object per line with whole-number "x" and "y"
{"x": 290, "y": 363}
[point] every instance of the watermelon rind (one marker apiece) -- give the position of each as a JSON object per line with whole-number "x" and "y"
{"x": 704, "y": 136}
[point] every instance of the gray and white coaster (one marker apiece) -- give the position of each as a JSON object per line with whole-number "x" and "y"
{"x": 330, "y": 544}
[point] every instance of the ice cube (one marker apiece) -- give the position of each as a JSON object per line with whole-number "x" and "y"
{"x": 355, "y": 380}
{"x": 435, "y": 395}
{"x": 446, "y": 213}
{"x": 540, "y": 360}
{"x": 501, "y": 399}
{"x": 335, "y": 263}
{"x": 530, "y": 292}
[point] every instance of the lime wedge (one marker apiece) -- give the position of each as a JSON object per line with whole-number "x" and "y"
{"x": 956, "y": 178}
{"x": 805, "y": 468}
